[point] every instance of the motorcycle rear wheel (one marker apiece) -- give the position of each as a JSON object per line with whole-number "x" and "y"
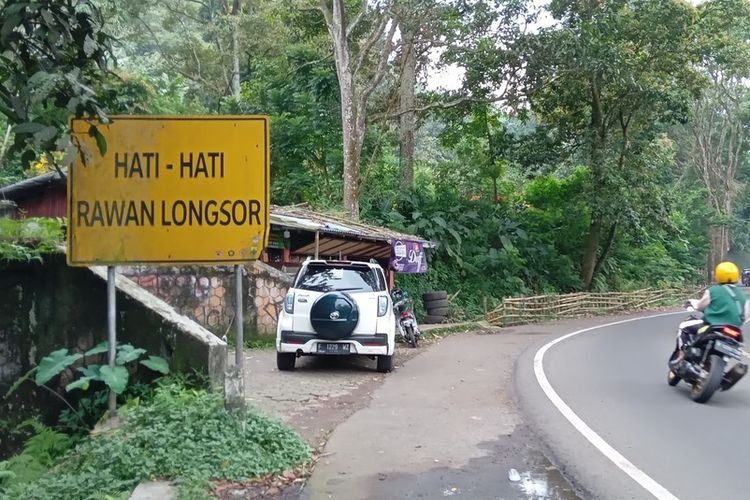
{"x": 411, "y": 336}
{"x": 703, "y": 389}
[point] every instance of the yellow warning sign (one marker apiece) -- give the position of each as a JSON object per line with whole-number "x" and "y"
{"x": 174, "y": 189}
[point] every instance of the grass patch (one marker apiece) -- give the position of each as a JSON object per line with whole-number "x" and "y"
{"x": 29, "y": 239}
{"x": 183, "y": 434}
{"x": 252, "y": 341}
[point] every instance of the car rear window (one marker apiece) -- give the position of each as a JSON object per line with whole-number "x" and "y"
{"x": 331, "y": 279}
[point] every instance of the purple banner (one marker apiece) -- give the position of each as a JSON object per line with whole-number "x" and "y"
{"x": 408, "y": 257}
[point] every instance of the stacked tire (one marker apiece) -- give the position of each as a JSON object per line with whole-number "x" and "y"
{"x": 437, "y": 306}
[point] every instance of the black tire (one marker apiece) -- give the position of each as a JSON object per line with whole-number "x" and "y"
{"x": 385, "y": 364}
{"x": 285, "y": 361}
{"x": 702, "y": 391}
{"x": 431, "y": 304}
{"x": 337, "y": 327}
{"x": 672, "y": 378}
{"x": 435, "y": 295}
{"x": 411, "y": 337}
{"x": 430, "y": 319}
{"x": 438, "y": 311}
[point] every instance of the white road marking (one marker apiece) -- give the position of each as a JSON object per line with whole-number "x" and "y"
{"x": 656, "y": 489}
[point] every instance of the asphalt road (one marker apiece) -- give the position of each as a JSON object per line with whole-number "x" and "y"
{"x": 442, "y": 425}
{"x": 614, "y": 379}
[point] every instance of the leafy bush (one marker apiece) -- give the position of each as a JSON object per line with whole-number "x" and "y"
{"x": 530, "y": 242}
{"x": 29, "y": 239}
{"x": 39, "y": 453}
{"x": 183, "y": 434}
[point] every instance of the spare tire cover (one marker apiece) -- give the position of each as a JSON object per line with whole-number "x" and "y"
{"x": 334, "y": 315}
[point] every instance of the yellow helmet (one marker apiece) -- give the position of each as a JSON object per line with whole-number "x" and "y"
{"x": 726, "y": 272}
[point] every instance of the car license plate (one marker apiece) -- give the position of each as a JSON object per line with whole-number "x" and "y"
{"x": 728, "y": 350}
{"x": 330, "y": 348}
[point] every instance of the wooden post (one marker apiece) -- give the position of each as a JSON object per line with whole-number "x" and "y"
{"x": 317, "y": 245}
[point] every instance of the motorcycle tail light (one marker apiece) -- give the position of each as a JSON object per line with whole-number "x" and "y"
{"x": 404, "y": 314}
{"x": 731, "y": 332}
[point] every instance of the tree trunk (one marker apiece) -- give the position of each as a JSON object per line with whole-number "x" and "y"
{"x": 407, "y": 122}
{"x": 719, "y": 247}
{"x": 352, "y": 143}
{"x": 352, "y": 149}
{"x": 235, "y": 27}
{"x": 605, "y": 250}
{"x": 590, "y": 251}
{"x": 591, "y": 246}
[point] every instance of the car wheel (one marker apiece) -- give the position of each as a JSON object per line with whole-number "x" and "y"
{"x": 285, "y": 361}
{"x": 385, "y": 364}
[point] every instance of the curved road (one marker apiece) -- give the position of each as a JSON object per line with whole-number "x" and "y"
{"x": 614, "y": 378}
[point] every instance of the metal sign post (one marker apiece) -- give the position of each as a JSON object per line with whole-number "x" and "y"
{"x": 239, "y": 353}
{"x": 111, "y": 332}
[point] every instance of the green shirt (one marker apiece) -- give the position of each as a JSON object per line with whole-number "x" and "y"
{"x": 725, "y": 309}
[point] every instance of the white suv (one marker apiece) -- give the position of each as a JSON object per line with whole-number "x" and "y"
{"x": 337, "y": 308}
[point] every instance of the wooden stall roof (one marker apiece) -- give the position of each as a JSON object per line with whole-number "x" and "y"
{"x": 339, "y": 234}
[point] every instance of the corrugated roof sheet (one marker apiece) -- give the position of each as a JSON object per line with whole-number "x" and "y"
{"x": 301, "y": 217}
{"x": 28, "y": 186}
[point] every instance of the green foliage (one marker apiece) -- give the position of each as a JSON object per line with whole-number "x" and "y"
{"x": 53, "y": 364}
{"x": 305, "y": 123}
{"x": 157, "y": 364}
{"x": 54, "y": 55}
{"x": 86, "y": 413}
{"x": 40, "y": 451}
{"x": 182, "y": 434}
{"x": 29, "y": 239}
{"x": 116, "y": 378}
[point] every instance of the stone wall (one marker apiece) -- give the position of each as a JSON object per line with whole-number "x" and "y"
{"x": 268, "y": 287}
{"x": 203, "y": 294}
{"x": 207, "y": 294}
{"x": 48, "y": 306}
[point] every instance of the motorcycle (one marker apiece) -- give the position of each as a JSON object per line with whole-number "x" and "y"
{"x": 407, "y": 322}
{"x": 707, "y": 358}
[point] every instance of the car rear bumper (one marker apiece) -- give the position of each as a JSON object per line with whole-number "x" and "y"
{"x": 369, "y": 345}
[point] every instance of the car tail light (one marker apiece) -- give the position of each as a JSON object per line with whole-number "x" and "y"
{"x": 289, "y": 303}
{"x": 382, "y": 305}
{"x": 731, "y": 332}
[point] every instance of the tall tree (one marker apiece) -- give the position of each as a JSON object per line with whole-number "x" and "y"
{"x": 362, "y": 46}
{"x": 210, "y": 43}
{"x": 721, "y": 113}
{"x": 609, "y": 69}
{"x": 477, "y": 37}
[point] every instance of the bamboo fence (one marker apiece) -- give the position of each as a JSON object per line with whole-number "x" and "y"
{"x": 523, "y": 310}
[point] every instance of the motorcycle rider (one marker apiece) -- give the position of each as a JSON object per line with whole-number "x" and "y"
{"x": 722, "y": 304}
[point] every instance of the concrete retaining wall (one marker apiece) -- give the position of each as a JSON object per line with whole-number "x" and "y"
{"x": 47, "y": 306}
